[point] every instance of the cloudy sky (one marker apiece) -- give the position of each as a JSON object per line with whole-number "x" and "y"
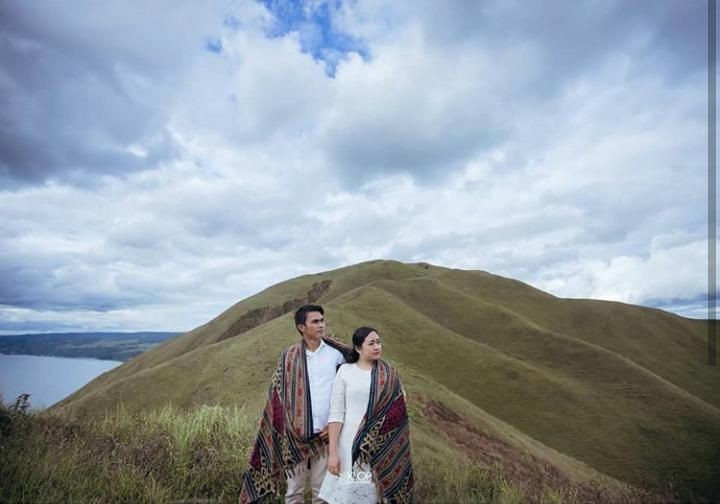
{"x": 161, "y": 160}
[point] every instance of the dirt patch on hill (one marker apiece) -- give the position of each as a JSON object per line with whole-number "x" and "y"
{"x": 509, "y": 462}
{"x": 478, "y": 445}
{"x": 259, "y": 316}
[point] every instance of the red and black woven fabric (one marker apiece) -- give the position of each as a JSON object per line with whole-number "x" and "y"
{"x": 383, "y": 438}
{"x": 285, "y": 435}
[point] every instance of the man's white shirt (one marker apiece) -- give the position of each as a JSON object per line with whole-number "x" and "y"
{"x": 321, "y": 367}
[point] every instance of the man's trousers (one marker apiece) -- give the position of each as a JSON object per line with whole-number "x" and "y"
{"x": 316, "y": 473}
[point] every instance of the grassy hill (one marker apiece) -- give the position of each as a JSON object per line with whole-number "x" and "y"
{"x": 542, "y": 388}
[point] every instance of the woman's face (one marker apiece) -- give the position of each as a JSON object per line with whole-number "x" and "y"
{"x": 371, "y": 348}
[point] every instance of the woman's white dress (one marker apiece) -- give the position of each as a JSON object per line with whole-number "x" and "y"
{"x": 351, "y": 391}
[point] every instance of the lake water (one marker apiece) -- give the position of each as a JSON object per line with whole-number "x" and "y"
{"x": 47, "y": 379}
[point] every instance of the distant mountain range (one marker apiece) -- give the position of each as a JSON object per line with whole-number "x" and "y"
{"x": 495, "y": 369}
{"x": 118, "y": 346}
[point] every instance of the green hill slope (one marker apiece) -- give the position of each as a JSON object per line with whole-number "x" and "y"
{"x": 578, "y": 386}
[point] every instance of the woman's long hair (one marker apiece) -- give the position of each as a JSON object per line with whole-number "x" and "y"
{"x": 358, "y": 338}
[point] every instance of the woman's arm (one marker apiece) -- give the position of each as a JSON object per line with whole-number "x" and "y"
{"x": 333, "y": 465}
{"x": 335, "y": 422}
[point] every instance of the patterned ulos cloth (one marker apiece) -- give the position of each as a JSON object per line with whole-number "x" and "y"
{"x": 383, "y": 438}
{"x": 285, "y": 434}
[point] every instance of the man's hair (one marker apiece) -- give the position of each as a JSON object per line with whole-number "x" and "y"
{"x": 301, "y": 314}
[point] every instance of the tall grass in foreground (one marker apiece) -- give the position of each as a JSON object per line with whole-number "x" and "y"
{"x": 191, "y": 457}
{"x": 162, "y": 456}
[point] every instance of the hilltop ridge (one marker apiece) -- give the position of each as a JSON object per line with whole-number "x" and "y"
{"x": 595, "y": 389}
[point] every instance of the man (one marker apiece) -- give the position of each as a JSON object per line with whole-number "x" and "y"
{"x": 292, "y": 439}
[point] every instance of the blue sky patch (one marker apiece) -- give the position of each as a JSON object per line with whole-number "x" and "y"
{"x": 318, "y": 36}
{"x": 214, "y": 45}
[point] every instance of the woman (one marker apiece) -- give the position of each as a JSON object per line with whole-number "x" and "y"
{"x": 368, "y": 430}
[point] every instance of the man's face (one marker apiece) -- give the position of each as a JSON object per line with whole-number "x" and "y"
{"x": 314, "y": 326}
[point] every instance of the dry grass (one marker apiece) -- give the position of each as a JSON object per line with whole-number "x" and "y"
{"x": 622, "y": 389}
{"x": 198, "y": 457}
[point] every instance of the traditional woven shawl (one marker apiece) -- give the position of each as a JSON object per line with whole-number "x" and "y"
{"x": 285, "y": 436}
{"x": 383, "y": 437}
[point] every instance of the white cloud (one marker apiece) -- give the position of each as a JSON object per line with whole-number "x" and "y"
{"x": 177, "y": 180}
{"x": 671, "y": 269}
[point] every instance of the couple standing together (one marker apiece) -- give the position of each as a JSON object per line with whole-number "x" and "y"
{"x": 335, "y": 415}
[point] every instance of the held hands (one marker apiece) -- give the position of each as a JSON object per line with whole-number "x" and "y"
{"x": 333, "y": 465}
